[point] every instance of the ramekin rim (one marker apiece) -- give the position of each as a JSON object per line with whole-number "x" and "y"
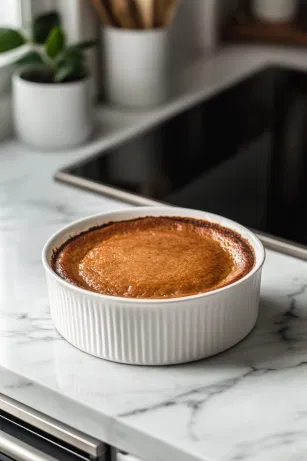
{"x": 259, "y": 253}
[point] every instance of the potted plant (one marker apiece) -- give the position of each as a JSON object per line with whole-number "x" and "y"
{"x": 51, "y": 100}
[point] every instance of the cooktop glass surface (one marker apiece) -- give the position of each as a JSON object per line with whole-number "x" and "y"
{"x": 241, "y": 154}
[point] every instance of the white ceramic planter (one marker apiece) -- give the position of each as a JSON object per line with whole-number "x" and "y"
{"x": 52, "y": 116}
{"x": 135, "y": 66}
{"x": 275, "y": 10}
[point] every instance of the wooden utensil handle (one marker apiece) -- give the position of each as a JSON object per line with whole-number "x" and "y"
{"x": 163, "y": 12}
{"x": 101, "y": 10}
{"x": 123, "y": 13}
{"x": 136, "y": 15}
{"x": 158, "y": 13}
{"x": 107, "y": 4}
{"x": 145, "y": 8}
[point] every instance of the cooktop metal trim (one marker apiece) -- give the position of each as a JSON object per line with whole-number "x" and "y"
{"x": 269, "y": 241}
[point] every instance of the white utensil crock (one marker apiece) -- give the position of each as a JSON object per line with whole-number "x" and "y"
{"x": 52, "y": 115}
{"x": 275, "y": 10}
{"x": 153, "y": 331}
{"x": 135, "y": 66}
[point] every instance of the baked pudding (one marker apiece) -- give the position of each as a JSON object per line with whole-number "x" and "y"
{"x": 154, "y": 257}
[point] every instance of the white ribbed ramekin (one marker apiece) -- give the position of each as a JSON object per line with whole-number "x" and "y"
{"x": 153, "y": 331}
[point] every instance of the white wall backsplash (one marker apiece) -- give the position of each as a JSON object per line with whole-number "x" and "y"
{"x": 79, "y": 19}
{"x": 41, "y": 6}
{"x": 80, "y": 22}
{"x": 195, "y": 29}
{"x": 10, "y": 13}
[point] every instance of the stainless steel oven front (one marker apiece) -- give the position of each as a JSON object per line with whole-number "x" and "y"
{"x": 26, "y": 435}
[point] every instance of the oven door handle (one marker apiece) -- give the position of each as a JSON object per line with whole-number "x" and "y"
{"x": 20, "y": 451}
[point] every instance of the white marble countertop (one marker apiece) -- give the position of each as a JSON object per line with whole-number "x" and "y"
{"x": 248, "y": 404}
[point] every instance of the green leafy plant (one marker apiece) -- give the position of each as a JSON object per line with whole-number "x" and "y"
{"x": 49, "y": 59}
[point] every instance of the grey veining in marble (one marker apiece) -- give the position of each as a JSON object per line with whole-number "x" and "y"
{"x": 248, "y": 404}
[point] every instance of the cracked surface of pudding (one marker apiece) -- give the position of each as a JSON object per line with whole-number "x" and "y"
{"x": 154, "y": 257}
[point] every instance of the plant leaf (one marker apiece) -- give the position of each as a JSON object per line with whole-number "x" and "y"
{"x": 43, "y": 25}
{"x": 64, "y": 71}
{"x": 79, "y": 73}
{"x": 31, "y": 58}
{"x": 86, "y": 44}
{"x": 10, "y": 39}
{"x": 70, "y": 70}
{"x": 71, "y": 53}
{"x": 70, "y": 65}
{"x": 55, "y": 42}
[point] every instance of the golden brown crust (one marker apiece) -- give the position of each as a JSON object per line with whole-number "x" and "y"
{"x": 154, "y": 257}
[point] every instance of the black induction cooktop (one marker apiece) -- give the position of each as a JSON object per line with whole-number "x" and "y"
{"x": 241, "y": 154}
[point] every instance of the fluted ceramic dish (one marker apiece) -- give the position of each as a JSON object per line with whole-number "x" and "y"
{"x": 153, "y": 331}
